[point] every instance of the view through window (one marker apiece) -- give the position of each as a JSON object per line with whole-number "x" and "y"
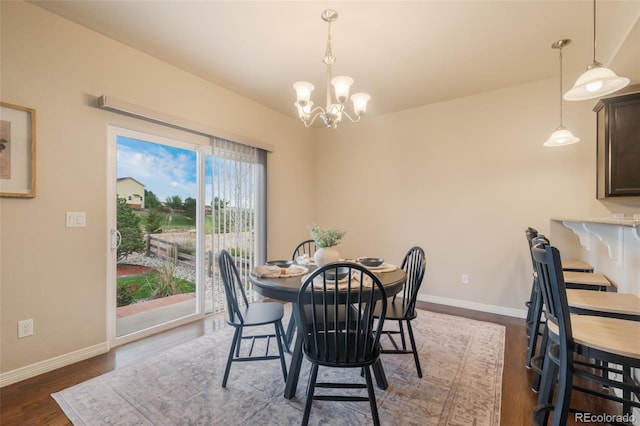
{"x": 178, "y": 206}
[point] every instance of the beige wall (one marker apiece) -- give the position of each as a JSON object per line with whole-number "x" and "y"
{"x": 56, "y": 275}
{"x": 461, "y": 178}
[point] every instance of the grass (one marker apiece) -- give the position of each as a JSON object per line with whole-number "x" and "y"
{"x": 178, "y": 220}
{"x": 147, "y": 283}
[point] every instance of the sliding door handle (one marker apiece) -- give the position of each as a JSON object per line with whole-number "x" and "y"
{"x": 116, "y": 239}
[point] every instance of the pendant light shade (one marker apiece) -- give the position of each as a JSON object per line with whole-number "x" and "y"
{"x": 561, "y": 136}
{"x": 596, "y": 81}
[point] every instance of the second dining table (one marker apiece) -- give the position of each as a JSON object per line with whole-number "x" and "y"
{"x": 285, "y": 288}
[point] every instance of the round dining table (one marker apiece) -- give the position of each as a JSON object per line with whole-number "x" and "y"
{"x": 286, "y": 289}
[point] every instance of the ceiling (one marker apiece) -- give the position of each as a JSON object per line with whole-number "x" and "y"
{"x": 403, "y": 53}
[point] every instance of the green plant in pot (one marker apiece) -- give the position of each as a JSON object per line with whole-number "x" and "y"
{"x": 326, "y": 239}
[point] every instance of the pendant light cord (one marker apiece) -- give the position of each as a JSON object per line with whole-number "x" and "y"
{"x": 560, "y": 56}
{"x": 594, "y": 31}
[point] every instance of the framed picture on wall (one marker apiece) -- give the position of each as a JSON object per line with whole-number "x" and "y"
{"x": 17, "y": 151}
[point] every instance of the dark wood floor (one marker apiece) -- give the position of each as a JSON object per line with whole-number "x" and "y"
{"x": 29, "y": 402}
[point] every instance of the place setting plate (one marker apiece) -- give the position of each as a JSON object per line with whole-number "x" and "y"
{"x": 280, "y": 269}
{"x": 376, "y": 264}
{"x": 330, "y": 275}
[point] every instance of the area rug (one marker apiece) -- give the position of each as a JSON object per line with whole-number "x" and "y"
{"x": 462, "y": 362}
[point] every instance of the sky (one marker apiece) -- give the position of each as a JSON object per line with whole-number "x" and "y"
{"x": 162, "y": 169}
{"x": 167, "y": 171}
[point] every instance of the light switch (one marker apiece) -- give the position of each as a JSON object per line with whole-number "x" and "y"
{"x": 76, "y": 219}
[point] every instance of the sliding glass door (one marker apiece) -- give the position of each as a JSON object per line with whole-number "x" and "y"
{"x": 173, "y": 205}
{"x": 157, "y": 204}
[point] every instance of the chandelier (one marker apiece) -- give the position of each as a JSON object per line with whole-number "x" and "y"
{"x": 332, "y": 113}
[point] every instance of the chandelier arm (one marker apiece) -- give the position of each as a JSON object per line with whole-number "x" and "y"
{"x": 316, "y": 112}
{"x": 351, "y": 118}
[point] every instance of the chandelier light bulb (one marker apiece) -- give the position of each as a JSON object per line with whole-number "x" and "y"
{"x": 303, "y": 92}
{"x": 360, "y": 101}
{"x": 341, "y": 85}
{"x": 304, "y": 111}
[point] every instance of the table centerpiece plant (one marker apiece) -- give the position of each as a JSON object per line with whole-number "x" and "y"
{"x": 325, "y": 240}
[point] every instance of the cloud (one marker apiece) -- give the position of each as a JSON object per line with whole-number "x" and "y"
{"x": 163, "y": 170}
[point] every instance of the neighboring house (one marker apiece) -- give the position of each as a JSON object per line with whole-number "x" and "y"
{"x": 132, "y": 191}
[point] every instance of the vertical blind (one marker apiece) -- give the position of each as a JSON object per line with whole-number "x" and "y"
{"x": 237, "y": 213}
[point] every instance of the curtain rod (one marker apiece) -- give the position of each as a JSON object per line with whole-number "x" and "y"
{"x": 122, "y": 107}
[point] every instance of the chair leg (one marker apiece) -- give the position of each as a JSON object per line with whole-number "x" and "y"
{"x": 548, "y": 381}
{"x": 530, "y": 302}
{"x": 310, "y": 390}
{"x": 285, "y": 340}
{"x": 414, "y": 348}
{"x": 404, "y": 343}
{"x": 536, "y": 315}
{"x": 543, "y": 350}
{"x": 279, "y": 339}
{"x": 545, "y": 396}
{"x": 235, "y": 343}
{"x": 563, "y": 398}
{"x": 372, "y": 397}
{"x": 239, "y": 330}
{"x": 291, "y": 329}
{"x": 626, "y": 394}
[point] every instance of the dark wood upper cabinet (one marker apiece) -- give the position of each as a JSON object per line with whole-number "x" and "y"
{"x": 618, "y": 152}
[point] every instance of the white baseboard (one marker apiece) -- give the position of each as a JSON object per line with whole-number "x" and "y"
{"x": 500, "y": 310}
{"x": 33, "y": 370}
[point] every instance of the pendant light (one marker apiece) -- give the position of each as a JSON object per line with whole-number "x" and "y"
{"x": 561, "y": 136}
{"x": 597, "y": 81}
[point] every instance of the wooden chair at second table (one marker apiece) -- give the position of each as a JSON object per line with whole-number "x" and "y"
{"x": 582, "y": 346}
{"x": 307, "y": 247}
{"x": 331, "y": 341}
{"x": 402, "y": 307}
{"x": 241, "y": 315}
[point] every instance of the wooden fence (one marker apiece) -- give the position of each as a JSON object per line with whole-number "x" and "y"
{"x": 182, "y": 254}
{"x": 176, "y": 252}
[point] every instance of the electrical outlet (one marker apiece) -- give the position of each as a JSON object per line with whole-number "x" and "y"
{"x": 464, "y": 279}
{"x": 25, "y": 328}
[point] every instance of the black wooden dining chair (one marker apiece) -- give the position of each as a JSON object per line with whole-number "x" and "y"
{"x": 336, "y": 304}
{"x": 402, "y": 307}
{"x": 241, "y": 315}
{"x": 582, "y": 346}
{"x": 307, "y": 247}
{"x": 534, "y": 320}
